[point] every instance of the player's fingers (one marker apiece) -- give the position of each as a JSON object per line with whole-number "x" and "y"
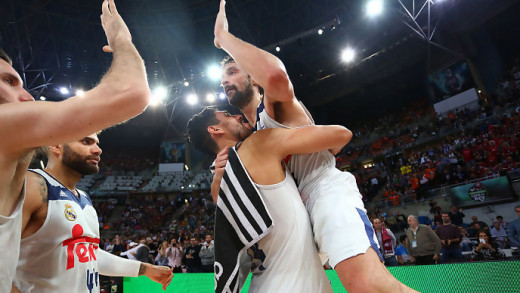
{"x": 113, "y": 7}
{"x": 224, "y": 151}
{"x": 223, "y": 158}
{"x": 104, "y": 7}
{"x": 107, "y": 49}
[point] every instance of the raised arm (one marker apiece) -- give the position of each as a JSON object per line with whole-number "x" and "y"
{"x": 264, "y": 68}
{"x": 303, "y": 140}
{"x": 122, "y": 94}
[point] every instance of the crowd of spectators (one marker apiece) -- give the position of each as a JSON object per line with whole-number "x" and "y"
{"x": 446, "y": 238}
{"x": 488, "y": 149}
{"x": 128, "y": 162}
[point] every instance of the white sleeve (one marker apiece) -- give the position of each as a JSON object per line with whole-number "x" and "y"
{"x": 115, "y": 266}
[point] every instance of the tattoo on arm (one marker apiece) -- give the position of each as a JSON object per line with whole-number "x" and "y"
{"x": 43, "y": 190}
{"x": 142, "y": 269}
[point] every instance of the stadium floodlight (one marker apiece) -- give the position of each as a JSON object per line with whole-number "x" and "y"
{"x": 64, "y": 91}
{"x": 348, "y": 55}
{"x": 192, "y": 99}
{"x": 277, "y": 49}
{"x": 214, "y": 72}
{"x": 42, "y": 98}
{"x": 158, "y": 95}
{"x": 374, "y": 7}
{"x": 186, "y": 83}
{"x": 222, "y": 96}
{"x": 80, "y": 93}
{"x": 320, "y": 31}
{"x": 210, "y": 98}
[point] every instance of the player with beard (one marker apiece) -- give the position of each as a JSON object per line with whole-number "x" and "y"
{"x": 60, "y": 230}
{"x": 26, "y": 125}
{"x": 286, "y": 259}
{"x": 257, "y": 82}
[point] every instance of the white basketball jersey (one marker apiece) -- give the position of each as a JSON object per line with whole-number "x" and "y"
{"x": 10, "y": 234}
{"x": 305, "y": 168}
{"x": 61, "y": 255}
{"x": 286, "y": 260}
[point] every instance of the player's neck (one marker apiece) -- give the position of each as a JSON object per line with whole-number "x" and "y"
{"x": 65, "y": 176}
{"x": 250, "y": 109}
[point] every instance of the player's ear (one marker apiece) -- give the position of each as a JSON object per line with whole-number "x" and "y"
{"x": 56, "y": 149}
{"x": 214, "y": 129}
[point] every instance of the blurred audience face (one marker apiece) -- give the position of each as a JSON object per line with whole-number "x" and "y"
{"x": 445, "y": 218}
{"x": 193, "y": 241}
{"x": 412, "y": 222}
{"x": 483, "y": 235}
{"x": 377, "y": 225}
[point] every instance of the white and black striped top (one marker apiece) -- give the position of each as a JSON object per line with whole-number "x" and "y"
{"x": 241, "y": 220}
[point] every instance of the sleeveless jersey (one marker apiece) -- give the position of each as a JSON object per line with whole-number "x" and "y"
{"x": 61, "y": 255}
{"x": 286, "y": 260}
{"x": 306, "y": 168}
{"x": 10, "y": 234}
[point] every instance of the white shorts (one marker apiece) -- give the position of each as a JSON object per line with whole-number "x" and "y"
{"x": 339, "y": 221}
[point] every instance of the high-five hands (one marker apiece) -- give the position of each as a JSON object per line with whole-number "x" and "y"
{"x": 221, "y": 23}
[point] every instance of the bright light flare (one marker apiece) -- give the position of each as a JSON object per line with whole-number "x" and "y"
{"x": 320, "y": 31}
{"x": 64, "y": 91}
{"x": 374, "y": 7}
{"x": 211, "y": 98}
{"x": 192, "y": 99}
{"x": 277, "y": 49}
{"x": 348, "y": 55}
{"x": 80, "y": 93}
{"x": 222, "y": 96}
{"x": 158, "y": 95}
{"x": 214, "y": 72}
{"x": 186, "y": 83}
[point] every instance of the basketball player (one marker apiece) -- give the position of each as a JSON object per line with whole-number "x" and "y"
{"x": 25, "y": 126}
{"x": 341, "y": 227}
{"x": 291, "y": 262}
{"x": 60, "y": 230}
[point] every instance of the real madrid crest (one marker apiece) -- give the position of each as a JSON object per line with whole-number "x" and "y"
{"x": 70, "y": 214}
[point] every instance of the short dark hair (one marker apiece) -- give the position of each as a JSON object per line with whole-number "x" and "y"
{"x": 402, "y": 238}
{"x": 228, "y": 59}
{"x": 4, "y": 56}
{"x": 197, "y": 130}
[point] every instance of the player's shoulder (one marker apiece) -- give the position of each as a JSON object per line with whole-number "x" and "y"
{"x": 265, "y": 136}
{"x": 36, "y": 191}
{"x": 34, "y": 178}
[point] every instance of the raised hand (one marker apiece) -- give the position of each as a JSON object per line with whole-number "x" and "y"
{"x": 221, "y": 23}
{"x": 114, "y": 26}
